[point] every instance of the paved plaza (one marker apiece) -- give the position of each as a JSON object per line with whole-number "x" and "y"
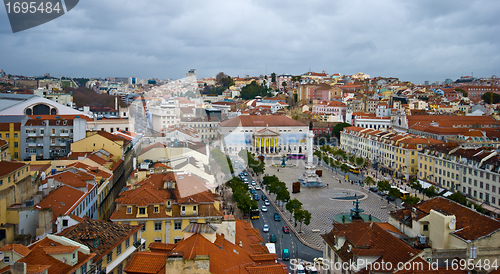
{"x": 322, "y": 202}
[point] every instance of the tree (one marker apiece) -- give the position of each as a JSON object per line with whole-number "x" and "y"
{"x": 344, "y": 168}
{"x": 394, "y": 193}
{"x": 430, "y": 191}
{"x": 459, "y": 198}
{"x": 284, "y": 85}
{"x": 273, "y": 77}
{"x": 222, "y": 160}
{"x": 415, "y": 184}
{"x": 488, "y": 96}
{"x": 299, "y": 215}
{"x": 410, "y": 200}
{"x": 283, "y": 195}
{"x": 219, "y": 78}
{"x": 383, "y": 186}
{"x": 252, "y": 90}
{"x": 307, "y": 218}
{"x": 292, "y": 205}
{"x": 338, "y": 128}
{"x": 369, "y": 180}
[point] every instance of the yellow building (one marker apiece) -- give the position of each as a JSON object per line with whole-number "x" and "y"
{"x": 97, "y": 140}
{"x": 156, "y": 203}
{"x": 15, "y": 186}
{"x": 11, "y": 132}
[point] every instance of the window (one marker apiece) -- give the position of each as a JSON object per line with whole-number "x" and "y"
{"x": 127, "y": 243}
{"x": 157, "y": 226}
{"x": 15, "y": 135}
{"x": 109, "y": 257}
{"x": 6, "y": 259}
{"x": 156, "y": 209}
{"x": 142, "y": 210}
{"x": 65, "y": 223}
{"x": 426, "y": 228}
{"x": 119, "y": 249}
{"x": 177, "y": 239}
{"x": 83, "y": 269}
{"x": 177, "y": 225}
{"x": 157, "y": 240}
{"x": 129, "y": 209}
{"x": 7, "y": 135}
{"x": 143, "y": 228}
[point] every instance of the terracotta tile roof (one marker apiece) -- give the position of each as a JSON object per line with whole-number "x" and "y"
{"x": 470, "y": 225}
{"x": 71, "y": 179}
{"x": 59, "y": 249}
{"x": 112, "y": 137}
{"x": 153, "y": 146}
{"x": 39, "y": 258}
{"x": 278, "y": 268}
{"x": 261, "y": 121}
{"x": 147, "y": 263}
{"x": 18, "y": 248}
{"x": 161, "y": 247}
{"x": 9, "y": 167}
{"x": 61, "y": 200}
{"x": 35, "y": 269}
{"x": 370, "y": 239}
{"x": 110, "y": 235}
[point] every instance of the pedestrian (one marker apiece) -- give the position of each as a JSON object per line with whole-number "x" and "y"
{"x": 326, "y": 185}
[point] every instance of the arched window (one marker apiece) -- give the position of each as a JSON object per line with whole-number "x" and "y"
{"x": 41, "y": 109}
{"x": 28, "y": 111}
{"x": 53, "y": 111}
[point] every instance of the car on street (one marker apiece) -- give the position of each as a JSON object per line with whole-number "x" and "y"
{"x": 256, "y": 197}
{"x": 253, "y": 192}
{"x": 245, "y": 173}
{"x": 266, "y": 202}
{"x": 286, "y": 229}
{"x": 272, "y": 238}
{"x": 257, "y": 187}
{"x": 265, "y": 228}
{"x": 286, "y": 254}
{"x": 264, "y": 209}
{"x": 277, "y": 217}
{"x": 264, "y": 197}
{"x": 390, "y": 198}
{"x": 245, "y": 180}
{"x": 373, "y": 189}
{"x": 254, "y": 183}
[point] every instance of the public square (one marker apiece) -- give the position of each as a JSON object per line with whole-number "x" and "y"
{"x": 321, "y": 201}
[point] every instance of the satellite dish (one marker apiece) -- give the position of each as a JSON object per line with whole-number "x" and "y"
{"x": 1, "y": 255}
{"x": 451, "y": 225}
{"x": 349, "y": 248}
{"x": 172, "y": 139}
{"x": 453, "y": 220}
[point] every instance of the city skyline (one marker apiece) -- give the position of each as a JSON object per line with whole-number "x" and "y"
{"x": 418, "y": 41}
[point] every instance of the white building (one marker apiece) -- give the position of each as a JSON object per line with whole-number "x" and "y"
{"x": 164, "y": 114}
{"x": 271, "y": 134}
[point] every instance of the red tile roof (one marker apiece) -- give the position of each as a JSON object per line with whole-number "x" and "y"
{"x": 9, "y": 167}
{"x": 61, "y": 200}
{"x": 262, "y": 121}
{"x": 18, "y": 248}
{"x": 147, "y": 263}
{"x": 471, "y": 225}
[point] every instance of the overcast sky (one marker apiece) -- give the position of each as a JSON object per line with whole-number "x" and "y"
{"x": 412, "y": 40}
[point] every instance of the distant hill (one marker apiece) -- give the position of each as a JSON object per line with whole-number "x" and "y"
{"x": 87, "y": 97}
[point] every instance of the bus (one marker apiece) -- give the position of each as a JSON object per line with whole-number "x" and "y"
{"x": 295, "y": 156}
{"x": 353, "y": 169}
{"x": 254, "y": 214}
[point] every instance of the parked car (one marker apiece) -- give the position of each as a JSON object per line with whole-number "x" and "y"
{"x": 286, "y": 229}
{"x": 373, "y": 189}
{"x": 254, "y": 183}
{"x": 257, "y": 187}
{"x": 272, "y": 238}
{"x": 277, "y": 217}
{"x": 265, "y": 228}
{"x": 264, "y": 197}
{"x": 264, "y": 208}
{"x": 255, "y": 197}
{"x": 267, "y": 203}
{"x": 390, "y": 198}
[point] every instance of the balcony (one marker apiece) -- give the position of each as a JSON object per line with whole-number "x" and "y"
{"x": 32, "y": 144}
{"x": 32, "y": 134}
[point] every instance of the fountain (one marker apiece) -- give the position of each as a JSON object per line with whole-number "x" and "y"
{"x": 355, "y": 215}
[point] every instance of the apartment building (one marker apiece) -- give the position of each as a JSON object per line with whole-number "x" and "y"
{"x": 205, "y": 126}
{"x": 50, "y": 136}
{"x": 393, "y": 152}
{"x": 157, "y": 204}
{"x": 473, "y": 171}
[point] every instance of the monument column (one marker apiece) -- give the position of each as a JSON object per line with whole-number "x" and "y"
{"x": 309, "y": 143}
